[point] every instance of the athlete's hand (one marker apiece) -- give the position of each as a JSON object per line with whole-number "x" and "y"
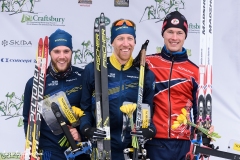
{"x": 93, "y": 133}
{"x": 137, "y": 60}
{"x": 145, "y": 133}
{"x": 211, "y": 129}
{"x": 76, "y": 136}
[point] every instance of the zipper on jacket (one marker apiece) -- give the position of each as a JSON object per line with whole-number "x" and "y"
{"x": 169, "y": 101}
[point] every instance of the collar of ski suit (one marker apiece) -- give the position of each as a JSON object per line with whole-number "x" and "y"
{"x": 174, "y": 53}
{"x": 118, "y": 66}
{"x": 180, "y": 57}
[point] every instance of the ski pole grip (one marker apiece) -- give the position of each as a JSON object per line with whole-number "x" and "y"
{"x": 143, "y": 53}
{"x": 144, "y": 46}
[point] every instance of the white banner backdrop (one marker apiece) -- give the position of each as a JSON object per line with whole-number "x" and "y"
{"x": 23, "y": 23}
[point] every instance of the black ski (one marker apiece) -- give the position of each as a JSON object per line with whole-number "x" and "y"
{"x": 101, "y": 87}
{"x": 213, "y": 152}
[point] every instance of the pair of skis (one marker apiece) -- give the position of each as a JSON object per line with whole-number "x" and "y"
{"x": 205, "y": 64}
{"x": 34, "y": 120}
{"x": 103, "y": 150}
{"x": 205, "y": 72}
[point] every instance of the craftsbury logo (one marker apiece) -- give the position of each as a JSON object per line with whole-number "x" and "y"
{"x": 160, "y": 9}
{"x": 11, "y": 107}
{"x": 29, "y": 16}
{"x": 193, "y": 28}
{"x": 42, "y": 20}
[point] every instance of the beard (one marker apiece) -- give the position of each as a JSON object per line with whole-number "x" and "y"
{"x": 59, "y": 68}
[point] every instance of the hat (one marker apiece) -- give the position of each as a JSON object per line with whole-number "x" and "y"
{"x": 176, "y": 20}
{"x": 60, "y": 38}
{"x": 124, "y": 28}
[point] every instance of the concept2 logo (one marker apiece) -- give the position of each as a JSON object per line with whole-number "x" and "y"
{"x": 16, "y": 60}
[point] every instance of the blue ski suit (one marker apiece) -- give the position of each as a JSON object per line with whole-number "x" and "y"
{"x": 123, "y": 83}
{"x": 72, "y": 86}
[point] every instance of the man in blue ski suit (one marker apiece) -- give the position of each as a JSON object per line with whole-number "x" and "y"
{"x": 123, "y": 81}
{"x": 61, "y": 76}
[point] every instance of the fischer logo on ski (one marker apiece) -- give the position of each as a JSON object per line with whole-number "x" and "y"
{"x": 101, "y": 88}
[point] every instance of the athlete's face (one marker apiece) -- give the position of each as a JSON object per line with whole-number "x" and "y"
{"x": 61, "y": 57}
{"x": 174, "y": 39}
{"x": 123, "y": 46}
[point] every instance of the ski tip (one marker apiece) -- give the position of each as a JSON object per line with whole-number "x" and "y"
{"x": 102, "y": 15}
{"x": 102, "y": 18}
{"x": 40, "y": 42}
{"x": 46, "y": 40}
{"x": 96, "y": 23}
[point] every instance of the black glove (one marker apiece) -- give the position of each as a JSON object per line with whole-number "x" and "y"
{"x": 205, "y": 140}
{"x": 145, "y": 133}
{"x": 93, "y": 133}
{"x": 137, "y": 60}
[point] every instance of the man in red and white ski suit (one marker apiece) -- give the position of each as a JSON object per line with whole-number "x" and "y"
{"x": 175, "y": 88}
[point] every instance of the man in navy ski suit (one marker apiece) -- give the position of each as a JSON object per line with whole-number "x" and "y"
{"x": 61, "y": 76}
{"x": 123, "y": 80}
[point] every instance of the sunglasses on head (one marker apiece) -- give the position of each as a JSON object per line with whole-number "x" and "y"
{"x": 126, "y": 21}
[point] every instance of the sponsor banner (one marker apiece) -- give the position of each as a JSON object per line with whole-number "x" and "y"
{"x": 17, "y": 60}
{"x": 121, "y": 3}
{"x": 23, "y": 22}
{"x": 16, "y": 43}
{"x": 45, "y": 20}
{"x": 193, "y": 27}
{"x": 85, "y": 3}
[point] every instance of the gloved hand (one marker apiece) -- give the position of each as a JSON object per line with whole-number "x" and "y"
{"x": 145, "y": 133}
{"x": 93, "y": 133}
{"x": 137, "y": 60}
